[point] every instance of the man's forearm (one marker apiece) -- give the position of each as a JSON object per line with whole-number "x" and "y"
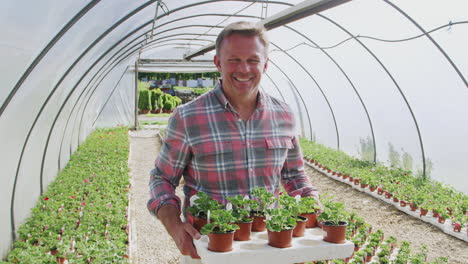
{"x": 169, "y": 216}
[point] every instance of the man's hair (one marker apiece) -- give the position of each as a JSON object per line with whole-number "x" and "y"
{"x": 243, "y": 28}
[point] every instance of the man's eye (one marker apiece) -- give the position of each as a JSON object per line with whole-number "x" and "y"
{"x": 233, "y": 60}
{"x": 254, "y": 61}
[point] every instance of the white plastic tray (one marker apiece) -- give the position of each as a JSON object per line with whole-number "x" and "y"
{"x": 311, "y": 247}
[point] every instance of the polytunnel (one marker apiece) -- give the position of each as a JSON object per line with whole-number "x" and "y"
{"x": 374, "y": 79}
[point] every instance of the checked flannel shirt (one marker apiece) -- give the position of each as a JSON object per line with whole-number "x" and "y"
{"x": 218, "y": 153}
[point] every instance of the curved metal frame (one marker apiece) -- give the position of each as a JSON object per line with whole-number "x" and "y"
{"x": 295, "y": 88}
{"x": 394, "y": 82}
{"x": 350, "y": 82}
{"x": 44, "y": 52}
{"x": 88, "y": 7}
{"x": 321, "y": 91}
{"x": 433, "y": 42}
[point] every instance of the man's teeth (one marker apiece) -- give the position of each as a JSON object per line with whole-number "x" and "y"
{"x": 242, "y": 80}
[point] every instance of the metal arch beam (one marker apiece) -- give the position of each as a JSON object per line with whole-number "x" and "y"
{"x": 321, "y": 91}
{"x": 40, "y": 57}
{"x": 276, "y": 86}
{"x": 46, "y": 102}
{"x": 394, "y": 82}
{"x": 44, "y": 52}
{"x": 433, "y": 42}
{"x": 299, "y": 11}
{"x": 350, "y": 82}
{"x": 295, "y": 88}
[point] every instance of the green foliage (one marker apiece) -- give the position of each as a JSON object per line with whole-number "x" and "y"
{"x": 279, "y": 219}
{"x": 308, "y": 205}
{"x": 155, "y": 94}
{"x": 333, "y": 213}
{"x": 144, "y": 99}
{"x": 419, "y": 190}
{"x": 222, "y": 223}
{"x": 87, "y": 201}
{"x": 203, "y": 204}
{"x": 263, "y": 198}
{"x": 241, "y": 208}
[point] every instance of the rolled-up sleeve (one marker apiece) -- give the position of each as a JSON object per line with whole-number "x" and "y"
{"x": 293, "y": 176}
{"x": 170, "y": 165}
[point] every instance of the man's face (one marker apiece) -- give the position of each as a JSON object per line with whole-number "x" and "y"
{"x": 242, "y": 60}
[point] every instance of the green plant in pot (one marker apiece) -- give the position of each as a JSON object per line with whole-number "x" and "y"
{"x": 220, "y": 231}
{"x": 333, "y": 221}
{"x": 292, "y": 205}
{"x": 280, "y": 224}
{"x": 200, "y": 207}
{"x": 241, "y": 213}
{"x": 309, "y": 208}
{"x": 263, "y": 199}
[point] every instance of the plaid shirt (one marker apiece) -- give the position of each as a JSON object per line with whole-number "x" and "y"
{"x": 222, "y": 155}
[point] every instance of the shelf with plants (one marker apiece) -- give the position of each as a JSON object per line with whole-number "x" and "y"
{"x": 83, "y": 215}
{"x": 280, "y": 218}
{"x": 426, "y": 199}
{"x": 371, "y": 246}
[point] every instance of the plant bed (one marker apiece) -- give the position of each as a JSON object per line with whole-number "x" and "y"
{"x": 83, "y": 213}
{"x": 308, "y": 248}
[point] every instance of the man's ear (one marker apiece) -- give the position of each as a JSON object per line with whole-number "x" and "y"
{"x": 217, "y": 62}
{"x": 265, "y": 67}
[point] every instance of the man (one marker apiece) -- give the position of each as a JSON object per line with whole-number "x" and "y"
{"x": 228, "y": 141}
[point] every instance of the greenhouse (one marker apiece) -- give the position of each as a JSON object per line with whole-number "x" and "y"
{"x": 375, "y": 87}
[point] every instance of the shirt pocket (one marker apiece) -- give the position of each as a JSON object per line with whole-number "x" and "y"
{"x": 277, "y": 151}
{"x": 213, "y": 156}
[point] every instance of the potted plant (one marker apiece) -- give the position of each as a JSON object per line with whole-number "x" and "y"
{"x": 221, "y": 231}
{"x": 309, "y": 208}
{"x": 263, "y": 200}
{"x": 241, "y": 213}
{"x": 280, "y": 224}
{"x": 292, "y": 205}
{"x": 333, "y": 221}
{"x": 198, "y": 211}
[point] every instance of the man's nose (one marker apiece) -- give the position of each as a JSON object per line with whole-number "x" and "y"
{"x": 243, "y": 67}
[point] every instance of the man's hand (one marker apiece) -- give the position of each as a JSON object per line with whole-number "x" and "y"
{"x": 182, "y": 233}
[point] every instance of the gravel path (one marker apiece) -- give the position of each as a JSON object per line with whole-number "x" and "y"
{"x": 151, "y": 243}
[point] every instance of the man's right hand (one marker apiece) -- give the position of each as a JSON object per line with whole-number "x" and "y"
{"x": 182, "y": 233}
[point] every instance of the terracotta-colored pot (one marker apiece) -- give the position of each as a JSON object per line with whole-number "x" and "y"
{"x": 334, "y": 233}
{"x": 388, "y": 195}
{"x": 380, "y": 191}
{"x": 61, "y": 260}
{"x": 435, "y": 213}
{"x": 356, "y": 181}
{"x": 346, "y": 176}
{"x": 258, "y": 224}
{"x": 441, "y": 219}
{"x": 281, "y": 239}
{"x": 372, "y": 188}
{"x": 368, "y": 258}
{"x": 423, "y": 211}
{"x": 363, "y": 185}
{"x": 395, "y": 200}
{"x": 299, "y": 230}
{"x": 311, "y": 219}
{"x": 243, "y": 233}
{"x": 220, "y": 242}
{"x": 197, "y": 222}
{"x": 403, "y": 203}
{"x": 456, "y": 227}
{"x": 351, "y": 179}
{"x": 413, "y": 207}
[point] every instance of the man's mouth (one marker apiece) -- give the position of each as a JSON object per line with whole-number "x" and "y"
{"x": 242, "y": 79}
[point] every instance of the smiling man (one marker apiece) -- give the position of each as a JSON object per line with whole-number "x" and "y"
{"x": 228, "y": 141}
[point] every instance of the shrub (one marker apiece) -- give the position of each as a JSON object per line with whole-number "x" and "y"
{"x": 144, "y": 99}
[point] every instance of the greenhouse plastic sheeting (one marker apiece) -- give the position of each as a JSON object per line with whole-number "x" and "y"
{"x": 388, "y": 76}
